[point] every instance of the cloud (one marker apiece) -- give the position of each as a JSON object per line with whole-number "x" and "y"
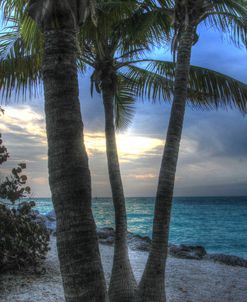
{"x": 213, "y": 153}
{"x": 24, "y": 134}
{"x": 147, "y": 176}
{"x": 210, "y": 155}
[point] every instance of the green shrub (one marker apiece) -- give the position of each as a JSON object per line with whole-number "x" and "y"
{"x": 3, "y": 150}
{"x": 24, "y": 238}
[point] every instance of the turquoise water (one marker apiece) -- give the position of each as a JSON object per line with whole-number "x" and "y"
{"x": 217, "y": 223}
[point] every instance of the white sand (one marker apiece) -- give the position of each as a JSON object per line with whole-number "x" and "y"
{"x": 187, "y": 280}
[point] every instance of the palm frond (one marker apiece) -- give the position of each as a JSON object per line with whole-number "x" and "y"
{"x": 21, "y": 51}
{"x": 207, "y": 88}
{"x": 221, "y": 90}
{"x": 148, "y": 84}
{"x": 146, "y": 27}
{"x": 230, "y": 17}
{"x": 20, "y": 66}
{"x": 125, "y": 27}
{"x": 124, "y": 104}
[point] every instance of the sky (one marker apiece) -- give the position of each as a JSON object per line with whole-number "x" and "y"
{"x": 213, "y": 154}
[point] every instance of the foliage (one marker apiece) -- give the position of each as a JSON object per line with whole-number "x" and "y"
{"x": 3, "y": 151}
{"x": 24, "y": 238}
{"x": 13, "y": 187}
{"x": 207, "y": 89}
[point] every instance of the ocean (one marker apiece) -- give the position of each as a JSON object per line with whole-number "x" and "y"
{"x": 217, "y": 223}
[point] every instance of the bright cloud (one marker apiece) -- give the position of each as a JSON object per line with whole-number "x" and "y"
{"x": 130, "y": 147}
{"x": 147, "y": 176}
{"x": 23, "y": 129}
{"x": 23, "y": 120}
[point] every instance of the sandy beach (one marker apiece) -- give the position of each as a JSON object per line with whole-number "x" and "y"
{"x": 187, "y": 280}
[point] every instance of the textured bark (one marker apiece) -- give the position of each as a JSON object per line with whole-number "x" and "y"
{"x": 69, "y": 175}
{"x": 152, "y": 285}
{"x": 122, "y": 285}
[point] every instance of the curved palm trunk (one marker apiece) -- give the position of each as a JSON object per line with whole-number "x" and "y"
{"x": 152, "y": 286}
{"x": 122, "y": 285}
{"x": 69, "y": 175}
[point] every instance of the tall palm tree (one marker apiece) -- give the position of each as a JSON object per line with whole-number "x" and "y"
{"x": 228, "y": 16}
{"x": 109, "y": 47}
{"x": 106, "y": 43}
{"x": 107, "y": 57}
{"x": 69, "y": 175}
{"x": 118, "y": 89}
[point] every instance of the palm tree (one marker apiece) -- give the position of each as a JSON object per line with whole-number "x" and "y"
{"x": 228, "y": 16}
{"x": 107, "y": 55}
{"x": 118, "y": 89}
{"x": 123, "y": 285}
{"x": 69, "y": 175}
{"x": 107, "y": 48}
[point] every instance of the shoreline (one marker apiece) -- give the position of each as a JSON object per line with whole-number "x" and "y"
{"x": 187, "y": 280}
{"x": 217, "y": 224}
{"x": 143, "y": 243}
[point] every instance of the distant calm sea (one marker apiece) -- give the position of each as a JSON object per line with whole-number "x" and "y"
{"x": 217, "y": 223}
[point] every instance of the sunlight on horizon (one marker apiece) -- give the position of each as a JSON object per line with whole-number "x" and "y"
{"x": 23, "y": 120}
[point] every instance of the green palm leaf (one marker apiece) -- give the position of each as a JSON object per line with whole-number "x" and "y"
{"x": 20, "y": 71}
{"x": 207, "y": 88}
{"x": 230, "y": 17}
{"x": 124, "y": 103}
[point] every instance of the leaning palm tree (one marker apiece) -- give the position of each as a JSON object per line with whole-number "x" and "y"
{"x": 111, "y": 46}
{"x": 230, "y": 17}
{"x": 118, "y": 89}
{"x": 69, "y": 175}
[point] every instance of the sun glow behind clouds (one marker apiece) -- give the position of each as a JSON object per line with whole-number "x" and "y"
{"x": 23, "y": 120}
{"x": 133, "y": 147}
{"x": 23, "y": 130}
{"x": 130, "y": 147}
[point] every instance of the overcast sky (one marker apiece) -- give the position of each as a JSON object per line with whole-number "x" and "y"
{"x": 213, "y": 157}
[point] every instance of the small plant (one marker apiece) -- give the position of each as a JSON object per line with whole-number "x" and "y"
{"x": 13, "y": 187}
{"x": 24, "y": 239}
{"x": 3, "y": 151}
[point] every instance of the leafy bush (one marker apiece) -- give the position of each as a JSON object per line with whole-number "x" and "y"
{"x": 3, "y": 151}
{"x": 13, "y": 187}
{"x": 24, "y": 237}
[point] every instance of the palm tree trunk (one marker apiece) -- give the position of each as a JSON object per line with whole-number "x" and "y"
{"x": 69, "y": 175}
{"x": 122, "y": 284}
{"x": 152, "y": 286}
